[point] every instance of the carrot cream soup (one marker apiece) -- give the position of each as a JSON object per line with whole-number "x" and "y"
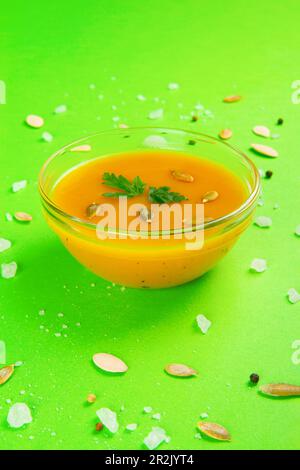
{"x": 147, "y": 217}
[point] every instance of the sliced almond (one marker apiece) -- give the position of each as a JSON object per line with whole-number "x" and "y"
{"x": 109, "y": 363}
{"x": 265, "y": 150}
{"x": 232, "y": 98}
{"x": 23, "y": 216}
{"x": 180, "y": 370}
{"x": 186, "y": 178}
{"x": 5, "y": 373}
{"x": 214, "y": 430}
{"x": 225, "y": 134}
{"x": 81, "y": 148}
{"x": 34, "y": 121}
{"x": 263, "y": 131}
{"x": 91, "y": 210}
{"x": 280, "y": 390}
{"x": 209, "y": 196}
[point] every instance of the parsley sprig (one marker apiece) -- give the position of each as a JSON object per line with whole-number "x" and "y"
{"x": 128, "y": 188}
{"x": 164, "y": 195}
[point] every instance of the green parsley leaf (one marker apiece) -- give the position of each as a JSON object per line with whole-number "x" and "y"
{"x": 129, "y": 189}
{"x": 164, "y": 195}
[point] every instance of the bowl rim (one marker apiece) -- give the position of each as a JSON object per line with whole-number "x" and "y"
{"x": 252, "y": 198}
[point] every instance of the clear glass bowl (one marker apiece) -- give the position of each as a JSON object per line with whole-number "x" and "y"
{"x": 148, "y": 263}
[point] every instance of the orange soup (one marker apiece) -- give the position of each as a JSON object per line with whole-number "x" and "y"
{"x": 164, "y": 177}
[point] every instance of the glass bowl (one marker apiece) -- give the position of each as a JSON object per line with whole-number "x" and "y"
{"x": 148, "y": 263}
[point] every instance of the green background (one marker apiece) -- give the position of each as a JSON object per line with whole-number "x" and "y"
{"x": 50, "y": 54}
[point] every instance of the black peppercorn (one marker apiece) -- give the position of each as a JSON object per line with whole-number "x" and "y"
{"x": 279, "y": 122}
{"x": 194, "y": 118}
{"x": 192, "y": 142}
{"x": 268, "y": 174}
{"x": 254, "y": 378}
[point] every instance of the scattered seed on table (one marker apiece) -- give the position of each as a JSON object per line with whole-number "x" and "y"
{"x": 91, "y": 398}
{"x": 265, "y": 150}
{"x": 180, "y": 370}
{"x": 214, "y": 430}
{"x": 232, "y": 98}
{"x": 22, "y": 216}
{"x": 210, "y": 196}
{"x": 109, "y": 363}
{"x": 225, "y": 134}
{"x": 99, "y": 426}
{"x": 5, "y": 373}
{"x": 262, "y": 131}
{"x": 280, "y": 122}
{"x": 254, "y": 378}
{"x": 184, "y": 177}
{"x": 34, "y": 121}
{"x": 280, "y": 390}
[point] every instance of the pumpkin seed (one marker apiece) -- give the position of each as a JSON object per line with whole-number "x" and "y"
{"x": 263, "y": 131}
{"x": 91, "y": 210}
{"x": 265, "y": 150}
{"x": 225, "y": 134}
{"x": 214, "y": 430}
{"x": 182, "y": 176}
{"x": 232, "y": 98}
{"x": 5, "y": 373}
{"x": 180, "y": 370}
{"x": 23, "y": 217}
{"x": 109, "y": 363}
{"x": 280, "y": 390}
{"x": 34, "y": 121}
{"x": 210, "y": 196}
{"x": 81, "y": 148}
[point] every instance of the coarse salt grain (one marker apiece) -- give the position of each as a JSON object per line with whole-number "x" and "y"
{"x": 263, "y": 221}
{"x": 8, "y": 270}
{"x": 203, "y": 323}
{"x": 62, "y": 108}
{"x": 8, "y": 217}
{"x": 47, "y": 137}
{"x": 4, "y": 244}
{"x": 297, "y": 230}
{"x": 204, "y": 416}
{"x": 156, "y": 416}
{"x": 258, "y": 265}
{"x": 155, "y": 438}
{"x": 293, "y": 296}
{"x": 147, "y": 409}
{"x": 131, "y": 427}
{"x": 18, "y": 415}
{"x": 173, "y": 86}
{"x": 109, "y": 419}
{"x": 18, "y": 185}
{"x": 157, "y": 114}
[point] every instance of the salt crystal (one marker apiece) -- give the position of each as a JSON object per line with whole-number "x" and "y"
{"x": 259, "y": 265}
{"x": 293, "y": 296}
{"x": 9, "y": 270}
{"x": 263, "y": 221}
{"x": 92, "y": 86}
{"x": 58, "y": 335}
{"x": 8, "y": 217}
{"x": 155, "y": 141}
{"x": 18, "y": 185}
{"x": 109, "y": 419}
{"x": 197, "y": 435}
{"x": 203, "y": 323}
{"x": 141, "y": 98}
{"x": 297, "y": 230}
{"x": 276, "y": 206}
{"x": 4, "y": 244}
{"x": 62, "y": 108}
{"x": 204, "y": 416}
{"x": 42, "y": 312}
{"x": 260, "y": 203}
{"x": 173, "y": 86}
{"x": 156, "y": 416}
{"x": 157, "y": 114}
{"x": 131, "y": 427}
{"x": 18, "y": 364}
{"x": 261, "y": 172}
{"x": 155, "y": 438}
{"x": 18, "y": 415}
{"x": 147, "y": 409}
{"x": 47, "y": 137}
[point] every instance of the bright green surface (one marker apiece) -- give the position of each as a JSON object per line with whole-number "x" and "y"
{"x": 50, "y": 54}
